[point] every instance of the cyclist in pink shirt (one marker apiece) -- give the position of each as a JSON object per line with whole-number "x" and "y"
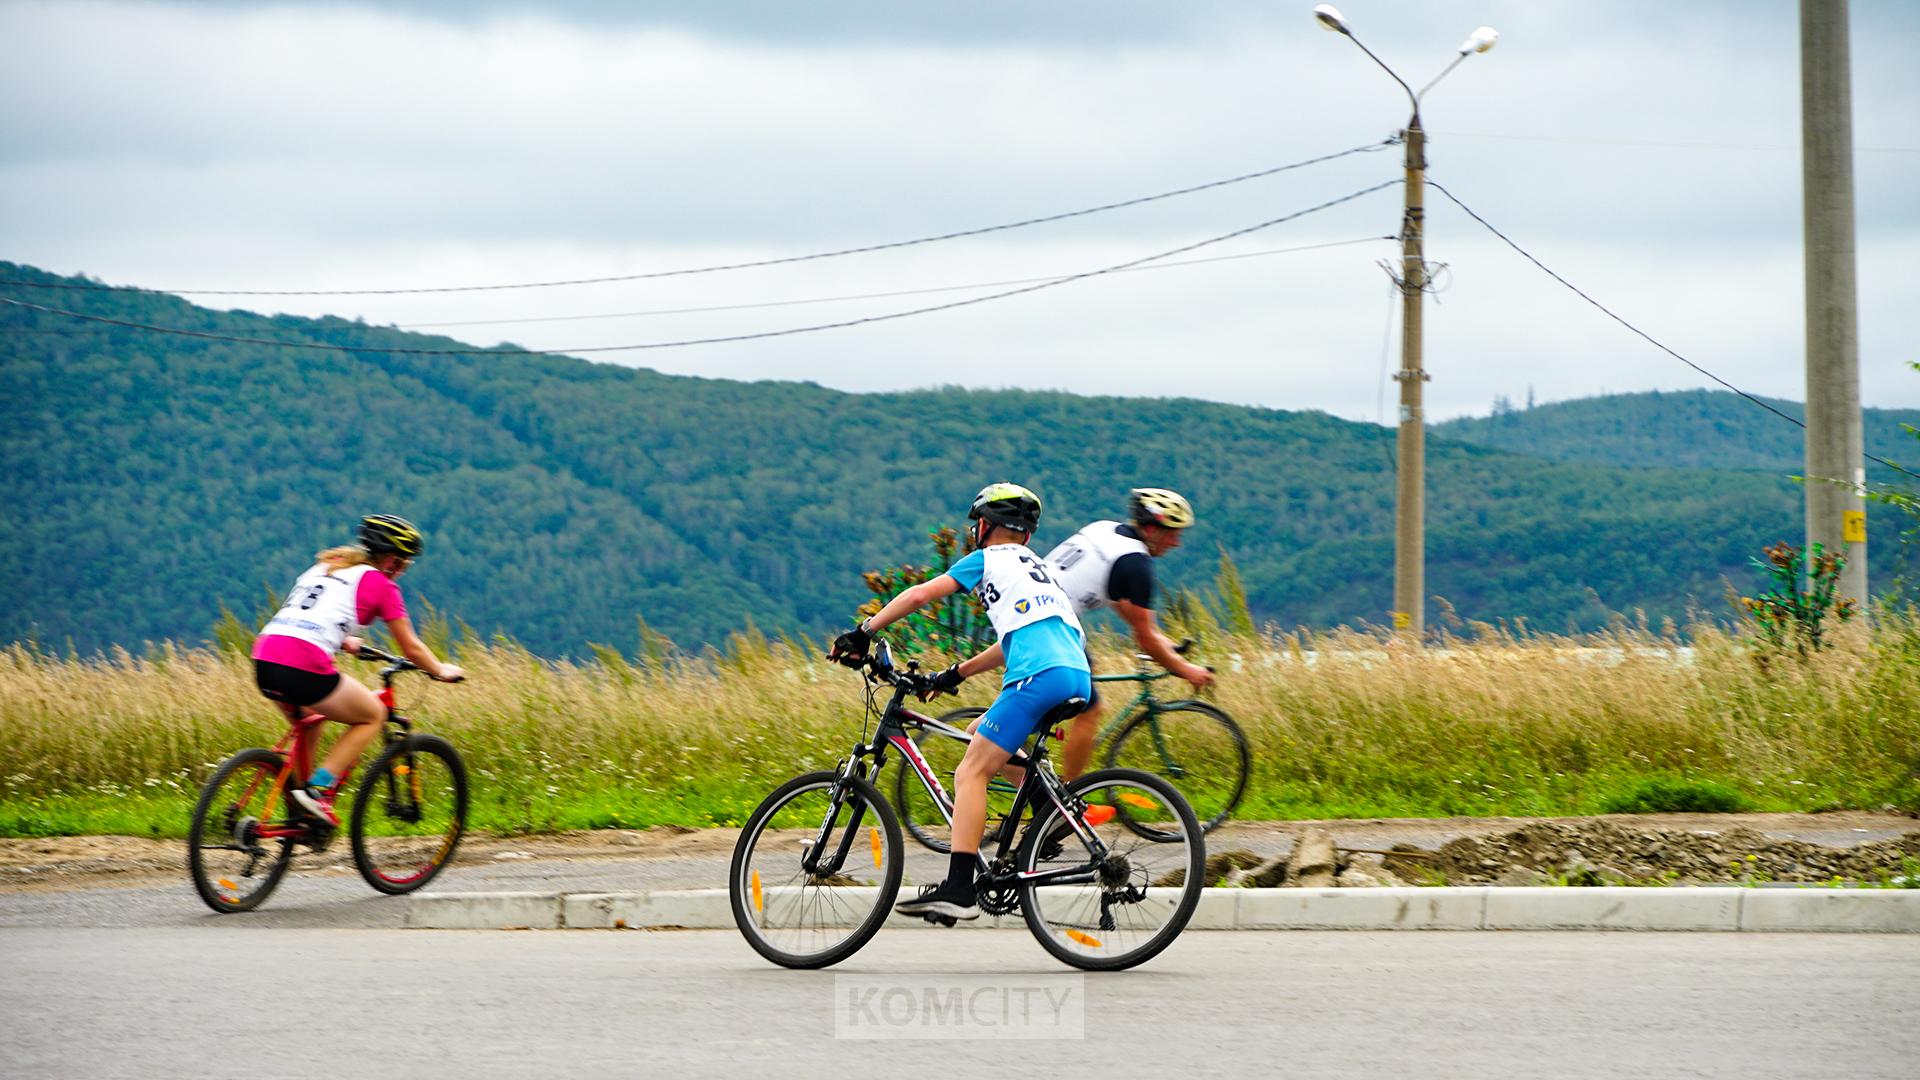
{"x": 345, "y": 591}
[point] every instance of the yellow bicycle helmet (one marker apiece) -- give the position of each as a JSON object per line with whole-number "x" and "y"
{"x": 383, "y": 533}
{"x": 1159, "y": 506}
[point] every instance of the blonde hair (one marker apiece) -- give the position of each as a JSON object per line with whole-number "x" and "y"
{"x": 339, "y": 558}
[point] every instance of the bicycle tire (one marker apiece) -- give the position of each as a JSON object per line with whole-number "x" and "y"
{"x": 419, "y": 863}
{"x": 741, "y": 892}
{"x": 1216, "y": 809}
{"x": 1191, "y": 863}
{"x": 216, "y": 886}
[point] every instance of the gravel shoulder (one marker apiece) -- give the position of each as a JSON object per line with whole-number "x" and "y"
{"x": 698, "y": 857}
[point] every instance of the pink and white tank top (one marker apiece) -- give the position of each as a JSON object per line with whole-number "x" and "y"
{"x": 325, "y": 606}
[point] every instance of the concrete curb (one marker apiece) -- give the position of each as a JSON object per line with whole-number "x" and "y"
{"x": 1474, "y": 908}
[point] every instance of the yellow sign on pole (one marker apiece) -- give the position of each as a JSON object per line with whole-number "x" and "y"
{"x": 1853, "y": 526}
{"x": 1402, "y": 620}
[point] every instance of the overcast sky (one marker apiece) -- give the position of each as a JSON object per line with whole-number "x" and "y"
{"x": 338, "y": 145}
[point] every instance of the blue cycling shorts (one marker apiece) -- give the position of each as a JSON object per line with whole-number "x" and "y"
{"x": 1015, "y": 715}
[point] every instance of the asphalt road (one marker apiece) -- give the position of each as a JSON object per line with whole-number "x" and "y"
{"x": 335, "y": 897}
{"x": 325, "y": 892}
{"x": 182, "y": 1002}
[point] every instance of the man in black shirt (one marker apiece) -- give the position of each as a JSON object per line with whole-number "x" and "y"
{"x": 1109, "y": 564}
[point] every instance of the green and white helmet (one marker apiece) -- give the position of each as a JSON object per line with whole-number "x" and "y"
{"x": 1007, "y": 504}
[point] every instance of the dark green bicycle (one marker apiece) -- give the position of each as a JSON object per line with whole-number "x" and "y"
{"x": 1193, "y": 744}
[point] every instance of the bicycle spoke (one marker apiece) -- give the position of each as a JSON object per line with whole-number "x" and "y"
{"x": 1144, "y": 886}
{"x": 804, "y": 918}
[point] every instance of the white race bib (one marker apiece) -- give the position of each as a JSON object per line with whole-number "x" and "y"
{"x": 323, "y": 607}
{"x": 1017, "y": 589}
{"x": 1083, "y": 563}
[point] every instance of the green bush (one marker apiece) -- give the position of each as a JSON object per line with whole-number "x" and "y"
{"x": 1678, "y": 795}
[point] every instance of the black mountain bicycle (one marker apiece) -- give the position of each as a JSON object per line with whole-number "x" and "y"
{"x": 819, "y": 862}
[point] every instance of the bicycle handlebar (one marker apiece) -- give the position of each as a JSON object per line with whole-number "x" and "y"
{"x": 396, "y": 664}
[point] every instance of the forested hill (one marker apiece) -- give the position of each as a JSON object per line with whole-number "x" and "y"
{"x": 148, "y": 479}
{"x": 1693, "y": 429}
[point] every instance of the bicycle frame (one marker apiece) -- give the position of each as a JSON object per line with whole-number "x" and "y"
{"x": 298, "y": 747}
{"x": 895, "y": 724}
{"x": 1144, "y": 698}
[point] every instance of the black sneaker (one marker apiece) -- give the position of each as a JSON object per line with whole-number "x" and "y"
{"x": 942, "y": 899}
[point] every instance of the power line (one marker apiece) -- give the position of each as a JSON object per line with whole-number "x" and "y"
{"x": 782, "y": 261}
{"x": 842, "y": 324}
{"x": 876, "y": 295}
{"x": 1662, "y": 144}
{"x": 1608, "y": 312}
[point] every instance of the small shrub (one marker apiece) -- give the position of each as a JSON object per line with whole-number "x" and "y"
{"x": 1677, "y": 795}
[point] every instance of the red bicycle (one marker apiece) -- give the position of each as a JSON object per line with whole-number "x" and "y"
{"x": 407, "y": 816}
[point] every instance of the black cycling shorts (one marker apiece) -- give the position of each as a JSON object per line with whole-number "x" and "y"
{"x": 292, "y": 685}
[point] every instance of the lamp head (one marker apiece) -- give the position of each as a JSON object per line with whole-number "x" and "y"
{"x": 1479, "y": 41}
{"x": 1330, "y": 18}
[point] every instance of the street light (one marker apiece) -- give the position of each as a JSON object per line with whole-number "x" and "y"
{"x": 1409, "y": 544}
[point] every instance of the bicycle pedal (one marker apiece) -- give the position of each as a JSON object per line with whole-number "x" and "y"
{"x": 941, "y": 920}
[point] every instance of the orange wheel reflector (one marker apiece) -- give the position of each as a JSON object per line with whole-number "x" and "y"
{"x": 1088, "y": 940}
{"x": 402, "y": 769}
{"x": 1140, "y": 801}
{"x": 875, "y": 834}
{"x": 757, "y": 905}
{"x": 225, "y": 884}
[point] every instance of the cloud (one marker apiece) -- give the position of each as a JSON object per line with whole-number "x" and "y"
{"x": 336, "y": 145}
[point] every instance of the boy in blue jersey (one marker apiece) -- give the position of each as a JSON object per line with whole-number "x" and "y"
{"x": 1040, "y": 642}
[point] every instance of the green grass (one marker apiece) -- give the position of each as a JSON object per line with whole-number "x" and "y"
{"x": 1340, "y": 727}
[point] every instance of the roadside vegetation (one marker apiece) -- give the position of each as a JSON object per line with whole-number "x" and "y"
{"x": 1343, "y": 725}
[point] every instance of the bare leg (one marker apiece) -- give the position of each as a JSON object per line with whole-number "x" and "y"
{"x": 1079, "y": 752}
{"x": 983, "y": 759}
{"x": 351, "y": 703}
{"x": 1014, "y": 773}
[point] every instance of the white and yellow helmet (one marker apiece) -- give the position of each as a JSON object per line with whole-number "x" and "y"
{"x": 1159, "y": 506}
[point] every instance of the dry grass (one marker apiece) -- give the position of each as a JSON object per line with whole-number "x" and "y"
{"x": 1341, "y": 726}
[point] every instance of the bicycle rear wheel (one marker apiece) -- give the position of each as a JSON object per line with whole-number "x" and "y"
{"x": 1196, "y": 747}
{"x": 808, "y": 919}
{"x": 922, "y": 819}
{"x": 410, "y": 813}
{"x": 233, "y": 868}
{"x": 1137, "y": 898}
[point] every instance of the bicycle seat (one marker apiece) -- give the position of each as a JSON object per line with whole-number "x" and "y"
{"x": 310, "y": 719}
{"x": 1063, "y": 712}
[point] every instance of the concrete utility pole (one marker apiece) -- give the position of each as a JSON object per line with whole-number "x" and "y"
{"x": 1410, "y": 505}
{"x": 1410, "y": 515}
{"x": 1836, "y": 512}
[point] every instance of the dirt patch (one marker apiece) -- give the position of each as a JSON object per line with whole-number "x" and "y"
{"x": 1607, "y": 853}
{"x": 74, "y": 862}
{"x": 1463, "y": 851}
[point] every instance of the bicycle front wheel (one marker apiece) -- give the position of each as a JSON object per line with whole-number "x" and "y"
{"x": 1136, "y": 896}
{"x": 233, "y": 868}
{"x": 816, "y": 870}
{"x": 409, "y": 814}
{"x": 1194, "y": 746}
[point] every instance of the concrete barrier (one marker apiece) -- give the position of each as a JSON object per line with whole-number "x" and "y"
{"x": 488, "y": 911}
{"x": 1361, "y": 909}
{"x": 1471, "y": 908}
{"x": 1613, "y": 909}
{"x": 1884, "y": 910}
